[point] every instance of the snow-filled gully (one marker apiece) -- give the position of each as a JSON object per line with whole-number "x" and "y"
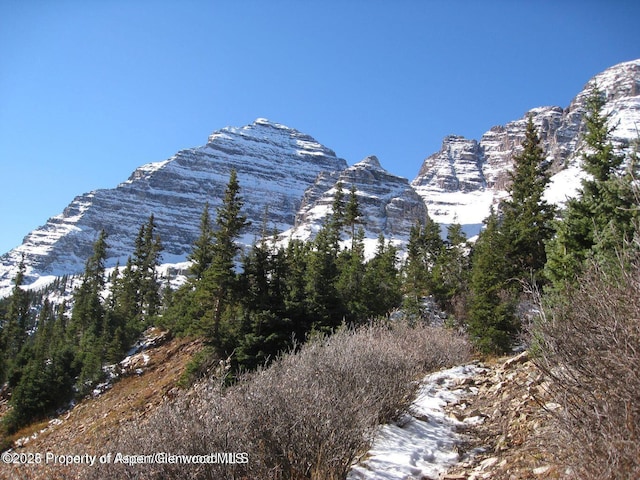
{"x": 423, "y": 443}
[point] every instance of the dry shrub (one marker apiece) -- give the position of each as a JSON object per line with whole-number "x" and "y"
{"x": 308, "y": 415}
{"x": 589, "y": 345}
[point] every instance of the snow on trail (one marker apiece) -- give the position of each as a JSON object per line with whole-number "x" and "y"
{"x": 422, "y": 444}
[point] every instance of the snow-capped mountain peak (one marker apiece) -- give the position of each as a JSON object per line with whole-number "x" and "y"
{"x": 275, "y": 165}
{"x": 466, "y": 177}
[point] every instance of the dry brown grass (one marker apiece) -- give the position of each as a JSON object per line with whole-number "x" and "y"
{"x": 309, "y": 415}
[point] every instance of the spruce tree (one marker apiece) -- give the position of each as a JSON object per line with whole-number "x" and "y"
{"x": 217, "y": 286}
{"x": 115, "y": 321}
{"x": 604, "y": 215}
{"x": 88, "y": 309}
{"x": 18, "y": 320}
{"x": 350, "y": 280}
{"x": 382, "y": 283}
{"x": 126, "y": 304}
{"x": 147, "y": 260}
{"x": 491, "y": 317}
{"x": 424, "y": 248}
{"x": 266, "y": 330}
{"x": 353, "y": 214}
{"x": 202, "y": 253}
{"x": 336, "y": 220}
{"x": 450, "y": 276}
{"x": 322, "y": 300}
{"x": 526, "y": 216}
{"x": 87, "y": 317}
{"x": 294, "y": 264}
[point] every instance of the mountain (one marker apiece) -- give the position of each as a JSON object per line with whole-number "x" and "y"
{"x": 275, "y": 165}
{"x": 466, "y": 177}
{"x": 388, "y": 203}
{"x": 289, "y": 178}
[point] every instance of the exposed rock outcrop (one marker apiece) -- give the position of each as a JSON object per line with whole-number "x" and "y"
{"x": 466, "y": 177}
{"x": 388, "y": 203}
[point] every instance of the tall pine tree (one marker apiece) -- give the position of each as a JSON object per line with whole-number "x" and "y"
{"x": 451, "y": 273}
{"x": 202, "y": 254}
{"x": 491, "y": 316}
{"x": 382, "y": 283}
{"x": 424, "y": 248}
{"x": 604, "y": 215}
{"x": 13, "y": 334}
{"x": 219, "y": 282}
{"x": 526, "y": 216}
{"x": 87, "y": 317}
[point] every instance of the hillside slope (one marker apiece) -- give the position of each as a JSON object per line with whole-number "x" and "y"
{"x": 151, "y": 379}
{"x": 499, "y": 411}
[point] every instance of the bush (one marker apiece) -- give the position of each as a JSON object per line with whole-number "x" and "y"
{"x": 308, "y": 415}
{"x": 588, "y": 343}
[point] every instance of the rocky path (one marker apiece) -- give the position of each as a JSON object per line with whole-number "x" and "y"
{"x": 485, "y": 420}
{"x": 505, "y": 413}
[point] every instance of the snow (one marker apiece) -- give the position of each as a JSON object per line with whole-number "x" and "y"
{"x": 565, "y": 184}
{"x": 423, "y": 444}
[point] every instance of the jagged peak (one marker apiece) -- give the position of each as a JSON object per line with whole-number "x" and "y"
{"x": 618, "y": 81}
{"x": 256, "y": 128}
{"x": 264, "y": 130}
{"x": 456, "y": 139}
{"x": 369, "y": 162}
{"x": 630, "y": 66}
{"x": 268, "y": 123}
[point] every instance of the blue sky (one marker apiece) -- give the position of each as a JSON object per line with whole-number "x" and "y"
{"x": 90, "y": 90}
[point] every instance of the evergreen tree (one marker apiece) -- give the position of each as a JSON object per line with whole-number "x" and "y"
{"x": 322, "y": 300}
{"x": 87, "y": 317}
{"x": 294, "y": 264}
{"x": 266, "y": 330}
{"x": 88, "y": 309}
{"x": 17, "y": 321}
{"x": 146, "y": 259}
{"x": 202, "y": 254}
{"x": 604, "y": 215}
{"x": 526, "y": 216}
{"x": 216, "y": 289}
{"x": 491, "y": 316}
{"x": 336, "y": 220}
{"x": 382, "y": 283}
{"x": 350, "y": 280}
{"x": 423, "y": 250}
{"x": 126, "y": 306}
{"x": 352, "y": 214}
{"x": 113, "y": 333}
{"x": 451, "y": 271}
{"x": 46, "y": 375}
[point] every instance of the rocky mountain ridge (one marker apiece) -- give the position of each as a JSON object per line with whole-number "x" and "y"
{"x": 291, "y": 178}
{"x": 388, "y": 203}
{"x": 274, "y": 163}
{"x": 462, "y": 180}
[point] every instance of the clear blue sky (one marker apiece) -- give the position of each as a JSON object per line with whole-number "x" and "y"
{"x": 89, "y": 89}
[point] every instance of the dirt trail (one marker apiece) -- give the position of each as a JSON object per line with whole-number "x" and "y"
{"x": 508, "y": 412}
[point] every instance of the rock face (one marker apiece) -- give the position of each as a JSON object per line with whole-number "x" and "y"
{"x": 388, "y": 203}
{"x": 275, "y": 164}
{"x": 466, "y": 177}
